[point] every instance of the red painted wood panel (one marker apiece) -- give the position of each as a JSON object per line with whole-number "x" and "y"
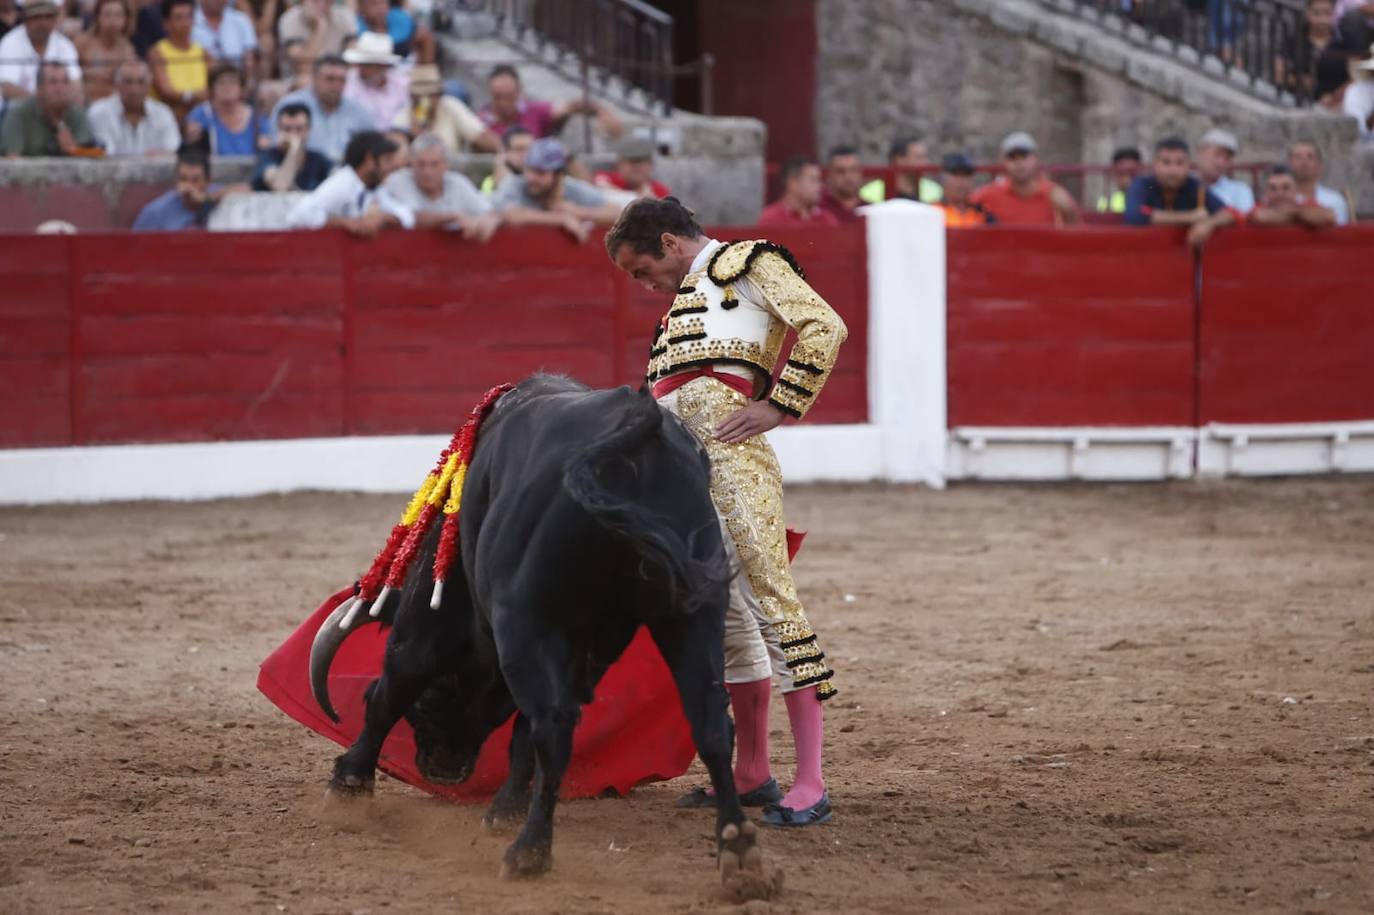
{"x": 35, "y": 341}
{"x": 1065, "y": 328}
{"x": 1287, "y": 326}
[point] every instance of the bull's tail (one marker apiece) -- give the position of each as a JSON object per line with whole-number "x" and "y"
{"x": 659, "y": 540}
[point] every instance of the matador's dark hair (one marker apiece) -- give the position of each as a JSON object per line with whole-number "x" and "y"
{"x": 641, "y": 225}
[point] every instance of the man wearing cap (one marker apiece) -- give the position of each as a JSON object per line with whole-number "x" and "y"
{"x": 545, "y": 195}
{"x": 1216, "y": 152}
{"x": 634, "y": 170}
{"x": 374, "y": 80}
{"x": 23, "y": 49}
{"x": 1024, "y": 196}
{"x": 333, "y": 118}
{"x": 956, "y": 176}
{"x": 1171, "y": 195}
{"x": 430, "y": 111}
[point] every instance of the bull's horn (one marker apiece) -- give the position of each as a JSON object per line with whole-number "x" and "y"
{"x": 330, "y": 636}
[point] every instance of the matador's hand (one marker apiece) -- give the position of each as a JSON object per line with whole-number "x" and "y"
{"x": 755, "y": 419}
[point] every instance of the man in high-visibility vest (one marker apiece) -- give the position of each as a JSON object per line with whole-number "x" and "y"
{"x": 1125, "y": 164}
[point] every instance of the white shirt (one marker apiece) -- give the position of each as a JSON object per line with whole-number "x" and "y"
{"x": 1333, "y": 200}
{"x": 460, "y": 194}
{"x": 344, "y": 195}
{"x": 1235, "y": 194}
{"x": 19, "y": 61}
{"x": 157, "y": 130}
{"x": 1358, "y": 102}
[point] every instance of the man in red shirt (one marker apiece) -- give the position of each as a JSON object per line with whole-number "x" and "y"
{"x": 844, "y": 173}
{"x": 799, "y": 204}
{"x": 1024, "y": 196}
{"x": 634, "y": 171}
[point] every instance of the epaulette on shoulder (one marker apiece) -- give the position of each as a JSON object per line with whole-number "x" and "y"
{"x": 733, "y": 260}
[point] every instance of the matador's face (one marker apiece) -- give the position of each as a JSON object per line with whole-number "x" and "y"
{"x": 662, "y": 273}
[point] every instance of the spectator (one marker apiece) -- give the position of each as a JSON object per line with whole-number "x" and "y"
{"x": 956, "y": 176}
{"x": 1355, "y": 24}
{"x": 509, "y": 108}
{"x": 322, "y": 27}
{"x": 227, "y": 35}
{"x": 545, "y": 195}
{"x": 104, "y": 46}
{"x": 1225, "y": 22}
{"x": 430, "y": 111}
{"x": 1024, "y": 196}
{"x": 1281, "y": 206}
{"x": 905, "y": 152}
{"x": 515, "y": 145}
{"x": 1315, "y": 62}
{"x": 407, "y": 35}
{"x": 1305, "y": 161}
{"x": 234, "y": 128}
{"x": 1125, "y": 163}
{"x": 129, "y": 123}
{"x": 353, "y": 198}
{"x": 291, "y": 165}
{"x": 181, "y": 76}
{"x": 9, "y": 16}
{"x": 634, "y": 170}
{"x": 402, "y": 141}
{"x": 188, "y": 205}
{"x": 1172, "y": 196}
{"x": 800, "y": 203}
{"x": 22, "y": 51}
{"x": 375, "y": 82}
{"x": 49, "y": 122}
{"x": 843, "y": 176}
{"x": 333, "y": 119}
{"x": 1216, "y": 152}
{"x": 264, "y": 15}
{"x": 1358, "y": 101}
{"x": 440, "y": 197}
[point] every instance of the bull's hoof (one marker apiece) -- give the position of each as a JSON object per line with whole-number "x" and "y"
{"x": 742, "y": 875}
{"x": 523, "y": 862}
{"x": 505, "y": 813}
{"x": 347, "y": 787}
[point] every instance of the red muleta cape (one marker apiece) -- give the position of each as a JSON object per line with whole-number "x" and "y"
{"x": 632, "y": 732}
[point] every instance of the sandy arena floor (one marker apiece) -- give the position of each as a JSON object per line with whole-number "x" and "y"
{"x": 1062, "y": 698}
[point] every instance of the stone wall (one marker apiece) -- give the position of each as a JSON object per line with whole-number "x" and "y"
{"x": 964, "y": 73}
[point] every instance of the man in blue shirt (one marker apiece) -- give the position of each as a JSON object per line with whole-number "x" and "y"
{"x": 226, "y": 34}
{"x": 333, "y": 118}
{"x": 290, "y": 166}
{"x": 1170, "y": 195}
{"x": 187, "y": 206}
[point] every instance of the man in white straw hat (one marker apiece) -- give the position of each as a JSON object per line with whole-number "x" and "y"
{"x": 431, "y": 111}
{"x": 374, "y": 79}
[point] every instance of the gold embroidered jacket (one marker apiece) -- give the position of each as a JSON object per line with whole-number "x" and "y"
{"x": 715, "y": 319}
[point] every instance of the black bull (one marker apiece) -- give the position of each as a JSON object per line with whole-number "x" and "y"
{"x": 585, "y": 514}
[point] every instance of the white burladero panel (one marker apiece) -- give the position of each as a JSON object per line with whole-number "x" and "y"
{"x": 1288, "y": 448}
{"x": 1085, "y": 453}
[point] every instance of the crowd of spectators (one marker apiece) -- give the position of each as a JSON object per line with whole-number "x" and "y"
{"x": 1174, "y": 188}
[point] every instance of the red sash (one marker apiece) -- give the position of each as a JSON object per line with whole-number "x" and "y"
{"x": 665, "y": 386}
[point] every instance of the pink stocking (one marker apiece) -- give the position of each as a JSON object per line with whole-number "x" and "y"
{"x": 749, "y": 701}
{"x": 808, "y": 733}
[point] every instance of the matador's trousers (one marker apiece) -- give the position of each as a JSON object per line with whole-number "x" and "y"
{"x": 766, "y": 629}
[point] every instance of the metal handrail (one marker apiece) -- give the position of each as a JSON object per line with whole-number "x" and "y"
{"x": 1253, "y": 41}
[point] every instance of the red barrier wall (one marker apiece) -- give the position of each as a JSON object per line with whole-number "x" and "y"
{"x": 1287, "y": 326}
{"x": 1066, "y": 328}
{"x": 194, "y": 337}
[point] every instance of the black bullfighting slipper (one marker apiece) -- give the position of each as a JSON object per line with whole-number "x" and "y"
{"x": 816, "y": 814}
{"x": 762, "y": 796}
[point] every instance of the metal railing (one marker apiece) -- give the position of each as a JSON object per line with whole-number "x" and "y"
{"x": 1253, "y": 41}
{"x": 601, "y": 40}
